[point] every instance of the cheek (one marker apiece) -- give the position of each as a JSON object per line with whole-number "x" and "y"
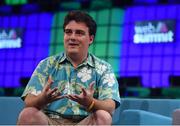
{"x": 65, "y": 37}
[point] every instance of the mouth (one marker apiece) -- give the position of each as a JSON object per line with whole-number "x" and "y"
{"x": 73, "y": 43}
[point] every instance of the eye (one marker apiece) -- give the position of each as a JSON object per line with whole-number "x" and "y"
{"x": 68, "y": 31}
{"x": 80, "y": 32}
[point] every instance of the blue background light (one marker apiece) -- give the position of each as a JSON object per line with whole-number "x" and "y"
{"x": 153, "y": 62}
{"x": 18, "y": 63}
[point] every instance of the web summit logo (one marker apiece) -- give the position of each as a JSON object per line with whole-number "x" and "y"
{"x": 154, "y": 32}
{"x": 9, "y": 39}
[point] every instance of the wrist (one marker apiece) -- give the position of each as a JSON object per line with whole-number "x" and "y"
{"x": 90, "y": 107}
{"x": 41, "y": 101}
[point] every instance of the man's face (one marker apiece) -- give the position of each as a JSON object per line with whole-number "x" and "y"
{"x": 77, "y": 38}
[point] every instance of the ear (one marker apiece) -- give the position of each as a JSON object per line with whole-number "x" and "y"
{"x": 91, "y": 38}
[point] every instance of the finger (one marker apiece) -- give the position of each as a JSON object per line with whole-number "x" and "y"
{"x": 91, "y": 86}
{"x": 58, "y": 97}
{"x": 77, "y": 97}
{"x": 84, "y": 91}
{"x": 64, "y": 96}
{"x": 72, "y": 97}
{"x": 53, "y": 91}
{"x": 67, "y": 96}
{"x": 50, "y": 80}
{"x": 48, "y": 84}
{"x": 55, "y": 95}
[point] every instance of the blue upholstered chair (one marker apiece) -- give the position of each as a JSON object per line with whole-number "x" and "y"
{"x": 132, "y": 111}
{"x": 10, "y": 108}
{"x": 145, "y": 111}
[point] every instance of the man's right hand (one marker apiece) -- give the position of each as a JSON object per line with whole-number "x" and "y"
{"x": 47, "y": 96}
{"x": 50, "y": 95}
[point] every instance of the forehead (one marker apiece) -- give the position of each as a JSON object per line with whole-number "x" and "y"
{"x": 76, "y": 26}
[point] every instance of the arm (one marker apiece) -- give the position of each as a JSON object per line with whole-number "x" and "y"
{"x": 107, "y": 105}
{"x": 34, "y": 101}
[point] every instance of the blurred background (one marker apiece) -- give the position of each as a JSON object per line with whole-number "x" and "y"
{"x": 139, "y": 38}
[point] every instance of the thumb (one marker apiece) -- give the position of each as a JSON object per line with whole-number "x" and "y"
{"x": 48, "y": 84}
{"x": 91, "y": 86}
{"x": 84, "y": 92}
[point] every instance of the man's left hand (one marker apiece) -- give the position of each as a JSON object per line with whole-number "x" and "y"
{"x": 86, "y": 97}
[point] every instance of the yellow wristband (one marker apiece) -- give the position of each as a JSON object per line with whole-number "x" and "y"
{"x": 91, "y": 106}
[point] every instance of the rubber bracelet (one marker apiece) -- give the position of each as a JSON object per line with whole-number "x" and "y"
{"x": 91, "y": 106}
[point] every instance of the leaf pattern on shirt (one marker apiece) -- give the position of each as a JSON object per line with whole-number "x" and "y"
{"x": 61, "y": 85}
{"x": 62, "y": 109}
{"x": 77, "y": 88}
{"x": 75, "y": 109}
{"x": 32, "y": 90}
{"x": 109, "y": 79}
{"x": 84, "y": 74}
{"x": 105, "y": 92}
{"x": 101, "y": 68}
{"x": 41, "y": 78}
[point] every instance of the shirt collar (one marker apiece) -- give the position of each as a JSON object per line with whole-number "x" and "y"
{"x": 63, "y": 57}
{"x": 88, "y": 61}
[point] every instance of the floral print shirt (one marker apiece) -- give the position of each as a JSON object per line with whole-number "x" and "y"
{"x": 69, "y": 80}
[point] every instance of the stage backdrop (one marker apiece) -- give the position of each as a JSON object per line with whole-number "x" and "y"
{"x": 114, "y": 42}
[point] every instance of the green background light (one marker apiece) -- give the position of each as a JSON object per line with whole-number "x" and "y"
{"x": 15, "y": 2}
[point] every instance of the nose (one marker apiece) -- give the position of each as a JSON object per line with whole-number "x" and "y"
{"x": 72, "y": 36}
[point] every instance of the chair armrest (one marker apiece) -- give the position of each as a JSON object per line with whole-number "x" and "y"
{"x": 141, "y": 117}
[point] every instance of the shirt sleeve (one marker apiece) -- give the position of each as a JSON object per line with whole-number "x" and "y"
{"x": 37, "y": 80}
{"x": 108, "y": 86}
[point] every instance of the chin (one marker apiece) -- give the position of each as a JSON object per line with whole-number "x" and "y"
{"x": 72, "y": 52}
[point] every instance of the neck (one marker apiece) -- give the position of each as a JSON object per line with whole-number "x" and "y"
{"x": 76, "y": 59}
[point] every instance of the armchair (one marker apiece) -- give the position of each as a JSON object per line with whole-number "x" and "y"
{"x": 134, "y": 111}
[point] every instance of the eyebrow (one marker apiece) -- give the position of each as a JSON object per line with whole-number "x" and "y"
{"x": 78, "y": 30}
{"x": 74, "y": 30}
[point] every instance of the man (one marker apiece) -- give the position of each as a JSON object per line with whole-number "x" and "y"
{"x": 73, "y": 87}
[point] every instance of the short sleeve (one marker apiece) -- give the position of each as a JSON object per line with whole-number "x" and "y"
{"x": 108, "y": 86}
{"x": 37, "y": 80}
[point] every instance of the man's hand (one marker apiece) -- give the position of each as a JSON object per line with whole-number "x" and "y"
{"x": 86, "y": 97}
{"x": 47, "y": 95}
{"x": 50, "y": 95}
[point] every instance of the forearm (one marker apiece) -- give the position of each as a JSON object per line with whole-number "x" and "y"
{"x": 34, "y": 101}
{"x": 107, "y": 105}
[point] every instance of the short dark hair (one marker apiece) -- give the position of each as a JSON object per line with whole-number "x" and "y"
{"x": 81, "y": 16}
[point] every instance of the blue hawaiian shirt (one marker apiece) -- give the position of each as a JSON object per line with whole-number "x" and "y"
{"x": 69, "y": 80}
